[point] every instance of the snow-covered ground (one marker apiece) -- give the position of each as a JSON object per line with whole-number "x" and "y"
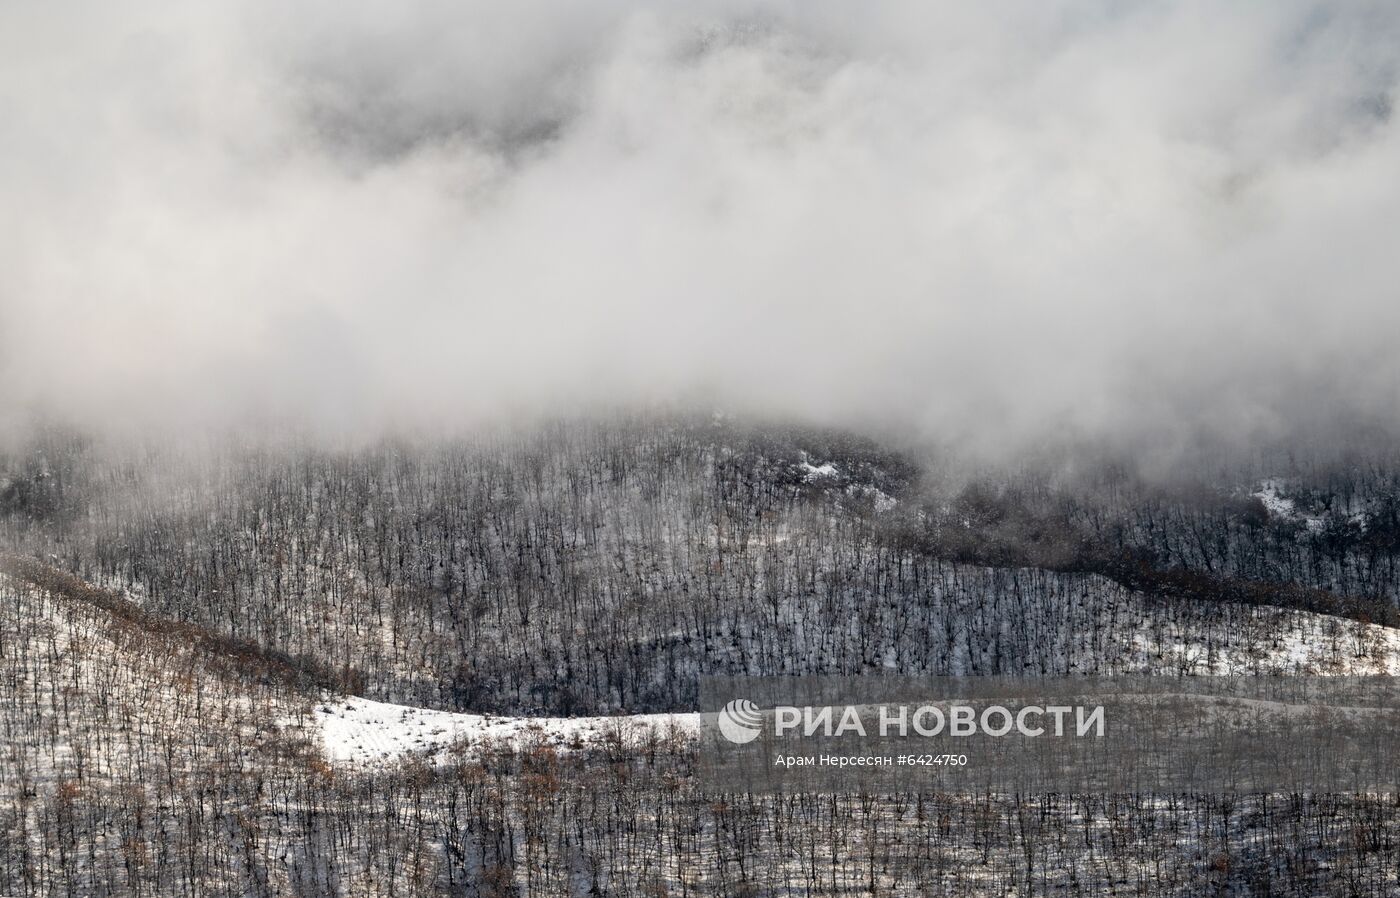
{"x": 1270, "y": 492}
{"x": 828, "y": 474}
{"x": 1305, "y": 643}
{"x": 812, "y": 473}
{"x": 358, "y": 731}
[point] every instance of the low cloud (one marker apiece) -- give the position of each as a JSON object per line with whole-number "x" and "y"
{"x": 994, "y": 222}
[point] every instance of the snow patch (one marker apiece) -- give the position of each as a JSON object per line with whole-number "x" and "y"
{"x": 1270, "y": 493}
{"x": 359, "y": 731}
{"x": 811, "y": 472}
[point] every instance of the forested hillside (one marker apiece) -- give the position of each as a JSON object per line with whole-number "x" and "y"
{"x": 594, "y": 568}
{"x": 150, "y": 761}
{"x": 183, "y": 631}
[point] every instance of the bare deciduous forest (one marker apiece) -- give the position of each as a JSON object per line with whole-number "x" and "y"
{"x": 443, "y": 443}
{"x": 173, "y": 622}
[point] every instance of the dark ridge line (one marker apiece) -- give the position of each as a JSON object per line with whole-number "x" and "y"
{"x": 1141, "y": 575}
{"x": 1141, "y": 572}
{"x": 243, "y": 657}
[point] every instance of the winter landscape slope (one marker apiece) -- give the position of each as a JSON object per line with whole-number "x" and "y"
{"x": 470, "y": 668}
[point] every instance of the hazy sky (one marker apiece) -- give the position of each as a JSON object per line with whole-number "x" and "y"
{"x": 994, "y": 219}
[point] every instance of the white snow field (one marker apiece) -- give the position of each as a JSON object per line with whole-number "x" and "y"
{"x": 359, "y": 731}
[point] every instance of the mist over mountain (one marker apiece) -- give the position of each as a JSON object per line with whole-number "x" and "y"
{"x": 997, "y": 224}
{"x": 424, "y": 425}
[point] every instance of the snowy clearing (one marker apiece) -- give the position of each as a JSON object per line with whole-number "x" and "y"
{"x": 359, "y": 731}
{"x": 1270, "y": 492}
